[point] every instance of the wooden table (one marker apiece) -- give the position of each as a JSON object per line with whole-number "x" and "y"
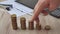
{"x": 6, "y": 27}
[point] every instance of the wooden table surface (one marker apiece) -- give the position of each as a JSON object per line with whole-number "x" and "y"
{"x": 6, "y": 27}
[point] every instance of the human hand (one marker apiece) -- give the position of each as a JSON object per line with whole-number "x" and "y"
{"x": 42, "y": 4}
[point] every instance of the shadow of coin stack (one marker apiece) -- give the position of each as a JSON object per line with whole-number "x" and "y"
{"x": 14, "y": 21}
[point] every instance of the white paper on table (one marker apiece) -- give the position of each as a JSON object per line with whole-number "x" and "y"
{"x": 7, "y": 2}
{"x": 22, "y": 7}
{"x": 18, "y": 6}
{"x": 17, "y": 12}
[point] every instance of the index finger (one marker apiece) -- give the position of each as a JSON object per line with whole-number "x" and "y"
{"x": 40, "y": 6}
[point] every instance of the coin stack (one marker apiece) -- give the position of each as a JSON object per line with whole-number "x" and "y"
{"x": 31, "y": 25}
{"x": 23, "y": 23}
{"x": 14, "y": 21}
{"x": 38, "y": 27}
{"x": 47, "y": 27}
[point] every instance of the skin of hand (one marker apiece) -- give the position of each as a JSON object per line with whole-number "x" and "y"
{"x": 41, "y": 5}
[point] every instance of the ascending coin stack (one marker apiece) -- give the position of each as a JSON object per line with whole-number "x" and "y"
{"x": 23, "y": 23}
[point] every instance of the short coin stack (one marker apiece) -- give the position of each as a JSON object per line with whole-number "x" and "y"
{"x": 31, "y": 25}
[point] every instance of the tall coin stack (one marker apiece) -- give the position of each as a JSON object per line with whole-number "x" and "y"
{"x": 23, "y": 23}
{"x": 14, "y": 21}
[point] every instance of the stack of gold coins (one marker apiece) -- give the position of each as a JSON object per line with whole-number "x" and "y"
{"x": 47, "y": 27}
{"x": 14, "y": 21}
{"x": 23, "y": 23}
{"x": 38, "y": 27}
{"x": 31, "y": 25}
